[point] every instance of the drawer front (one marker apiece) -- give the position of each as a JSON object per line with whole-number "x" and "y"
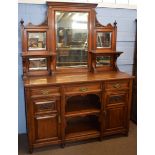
{"x": 83, "y": 88}
{"x": 116, "y": 98}
{"x": 44, "y": 91}
{"x": 45, "y": 106}
{"x": 117, "y": 85}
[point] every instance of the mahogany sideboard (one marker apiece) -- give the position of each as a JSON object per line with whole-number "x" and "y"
{"x": 65, "y": 108}
{"x": 73, "y": 87}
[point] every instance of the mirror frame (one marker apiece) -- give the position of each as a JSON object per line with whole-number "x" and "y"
{"x": 32, "y": 30}
{"x": 52, "y": 46}
{"x": 113, "y": 39}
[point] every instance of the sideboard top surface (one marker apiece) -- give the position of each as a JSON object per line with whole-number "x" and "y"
{"x": 75, "y": 78}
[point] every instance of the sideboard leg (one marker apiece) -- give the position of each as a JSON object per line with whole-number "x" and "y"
{"x": 62, "y": 145}
{"x": 126, "y": 134}
{"x": 100, "y": 139}
{"x": 30, "y": 150}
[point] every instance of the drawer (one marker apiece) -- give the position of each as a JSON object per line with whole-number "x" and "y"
{"x": 42, "y": 106}
{"x": 44, "y": 91}
{"x": 117, "y": 85}
{"x": 83, "y": 88}
{"x": 117, "y": 98}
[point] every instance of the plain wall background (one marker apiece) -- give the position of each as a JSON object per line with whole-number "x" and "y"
{"x": 36, "y": 13}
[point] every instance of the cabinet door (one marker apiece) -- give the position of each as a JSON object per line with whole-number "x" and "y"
{"x": 116, "y": 112}
{"x": 46, "y": 127}
{"x": 46, "y": 116}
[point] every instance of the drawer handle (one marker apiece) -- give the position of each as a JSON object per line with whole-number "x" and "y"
{"x": 117, "y": 85}
{"x": 45, "y": 92}
{"x": 83, "y": 89}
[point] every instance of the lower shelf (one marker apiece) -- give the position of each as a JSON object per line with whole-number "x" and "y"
{"x": 82, "y": 135}
{"x": 82, "y": 126}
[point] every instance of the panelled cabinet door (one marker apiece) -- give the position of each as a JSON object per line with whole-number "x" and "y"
{"x": 115, "y": 120}
{"x": 46, "y": 120}
{"x": 116, "y": 112}
{"x": 46, "y": 127}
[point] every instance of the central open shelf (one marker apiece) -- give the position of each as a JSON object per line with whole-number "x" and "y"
{"x": 81, "y": 126}
{"x": 82, "y": 105}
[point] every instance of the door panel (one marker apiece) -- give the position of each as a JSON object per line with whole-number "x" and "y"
{"x": 46, "y": 127}
{"x": 116, "y": 118}
{"x": 45, "y": 120}
{"x": 115, "y": 112}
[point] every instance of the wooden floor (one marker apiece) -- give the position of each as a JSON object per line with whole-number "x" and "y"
{"x": 118, "y": 145}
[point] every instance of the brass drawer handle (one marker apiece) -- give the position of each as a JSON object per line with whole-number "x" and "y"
{"x": 45, "y": 92}
{"x": 83, "y": 89}
{"x": 117, "y": 85}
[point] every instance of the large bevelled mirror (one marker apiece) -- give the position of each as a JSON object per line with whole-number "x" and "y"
{"x": 71, "y": 39}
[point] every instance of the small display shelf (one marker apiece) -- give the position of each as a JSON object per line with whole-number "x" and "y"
{"x": 36, "y": 54}
{"x": 82, "y": 105}
{"x": 103, "y": 61}
{"x": 37, "y": 58}
{"x": 82, "y": 126}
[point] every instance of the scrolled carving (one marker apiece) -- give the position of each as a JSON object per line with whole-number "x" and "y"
{"x": 44, "y": 23}
{"x": 116, "y": 99}
{"x": 45, "y": 106}
{"x": 98, "y": 24}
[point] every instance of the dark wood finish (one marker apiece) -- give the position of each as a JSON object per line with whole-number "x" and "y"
{"x": 65, "y": 105}
{"x": 115, "y": 120}
{"x": 111, "y": 105}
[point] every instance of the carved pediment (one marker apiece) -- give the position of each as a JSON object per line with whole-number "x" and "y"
{"x": 109, "y": 25}
{"x": 30, "y": 25}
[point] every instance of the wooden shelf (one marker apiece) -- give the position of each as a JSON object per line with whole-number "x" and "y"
{"x": 82, "y": 135}
{"x": 82, "y": 105}
{"x": 72, "y": 62}
{"x": 106, "y": 53}
{"x": 82, "y": 126}
{"x": 71, "y": 49}
{"x": 82, "y": 112}
{"x": 40, "y": 54}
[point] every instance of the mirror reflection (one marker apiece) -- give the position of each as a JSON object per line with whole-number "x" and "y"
{"x": 36, "y": 41}
{"x": 103, "y": 60}
{"x": 71, "y": 38}
{"x": 103, "y": 40}
{"x": 37, "y": 64}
